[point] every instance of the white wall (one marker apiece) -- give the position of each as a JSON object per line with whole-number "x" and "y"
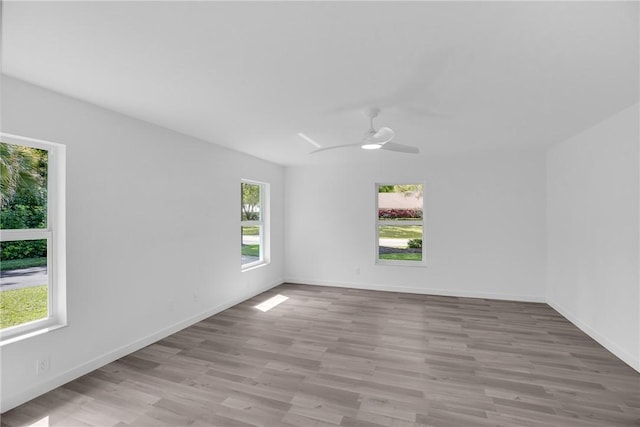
{"x": 485, "y": 224}
{"x": 593, "y": 269}
{"x": 150, "y": 248}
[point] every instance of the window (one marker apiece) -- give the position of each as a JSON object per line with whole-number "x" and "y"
{"x": 400, "y": 224}
{"x": 253, "y": 220}
{"x": 32, "y": 237}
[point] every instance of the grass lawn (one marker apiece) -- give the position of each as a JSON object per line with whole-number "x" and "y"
{"x": 24, "y": 305}
{"x": 402, "y": 256}
{"x": 251, "y": 250}
{"x": 250, "y": 231}
{"x": 13, "y": 264}
{"x": 406, "y": 232}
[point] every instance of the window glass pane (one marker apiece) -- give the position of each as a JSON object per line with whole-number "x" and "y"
{"x": 250, "y": 244}
{"x": 400, "y": 202}
{"x": 24, "y": 187}
{"x": 400, "y": 242}
{"x": 250, "y": 202}
{"x": 23, "y": 282}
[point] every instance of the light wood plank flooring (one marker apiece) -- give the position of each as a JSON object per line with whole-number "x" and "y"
{"x": 355, "y": 358}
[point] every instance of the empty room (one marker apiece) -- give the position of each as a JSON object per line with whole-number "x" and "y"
{"x": 316, "y": 214}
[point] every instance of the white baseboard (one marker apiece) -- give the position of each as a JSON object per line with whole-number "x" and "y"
{"x": 70, "y": 375}
{"x": 412, "y": 290}
{"x": 11, "y": 402}
{"x": 627, "y": 357}
{"x": 630, "y": 359}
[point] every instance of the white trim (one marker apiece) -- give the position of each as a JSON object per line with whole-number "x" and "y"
{"x": 400, "y": 223}
{"x": 54, "y": 233}
{"x": 47, "y": 326}
{"x": 263, "y": 223}
{"x": 423, "y": 262}
{"x": 111, "y": 356}
{"x": 253, "y": 266}
{"x": 96, "y": 363}
{"x": 51, "y": 321}
{"x": 24, "y": 234}
{"x": 402, "y": 263}
{"x": 628, "y": 358}
{"x": 28, "y": 142}
{"x": 414, "y": 290}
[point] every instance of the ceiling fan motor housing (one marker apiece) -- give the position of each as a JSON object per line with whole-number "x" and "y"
{"x": 372, "y": 112}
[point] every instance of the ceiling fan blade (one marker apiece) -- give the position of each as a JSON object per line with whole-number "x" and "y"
{"x": 309, "y": 140}
{"x": 333, "y": 147}
{"x": 382, "y": 136}
{"x": 400, "y": 148}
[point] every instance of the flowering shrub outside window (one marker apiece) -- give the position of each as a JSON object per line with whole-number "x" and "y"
{"x": 399, "y": 213}
{"x": 400, "y": 224}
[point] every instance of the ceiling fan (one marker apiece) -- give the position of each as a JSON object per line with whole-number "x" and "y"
{"x": 375, "y": 139}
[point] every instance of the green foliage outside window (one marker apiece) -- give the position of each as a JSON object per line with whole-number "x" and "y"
{"x": 406, "y": 189}
{"x": 250, "y": 202}
{"x": 23, "y": 202}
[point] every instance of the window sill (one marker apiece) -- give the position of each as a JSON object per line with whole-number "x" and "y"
{"x": 402, "y": 263}
{"x": 13, "y": 338}
{"x": 253, "y": 266}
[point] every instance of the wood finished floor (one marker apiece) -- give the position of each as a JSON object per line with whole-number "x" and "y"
{"x": 355, "y": 358}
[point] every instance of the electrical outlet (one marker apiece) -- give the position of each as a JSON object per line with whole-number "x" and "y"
{"x": 42, "y": 365}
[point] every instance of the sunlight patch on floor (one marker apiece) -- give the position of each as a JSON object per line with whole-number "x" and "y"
{"x": 41, "y": 423}
{"x": 271, "y": 302}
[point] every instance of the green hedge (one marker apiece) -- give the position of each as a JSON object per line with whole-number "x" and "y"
{"x": 23, "y": 249}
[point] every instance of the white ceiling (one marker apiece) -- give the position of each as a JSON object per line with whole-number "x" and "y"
{"x": 450, "y": 77}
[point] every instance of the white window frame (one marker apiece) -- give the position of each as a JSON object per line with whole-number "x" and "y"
{"x": 55, "y": 235}
{"x": 379, "y": 222}
{"x": 263, "y": 224}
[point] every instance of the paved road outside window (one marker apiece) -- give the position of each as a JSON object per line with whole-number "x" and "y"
{"x": 23, "y": 278}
